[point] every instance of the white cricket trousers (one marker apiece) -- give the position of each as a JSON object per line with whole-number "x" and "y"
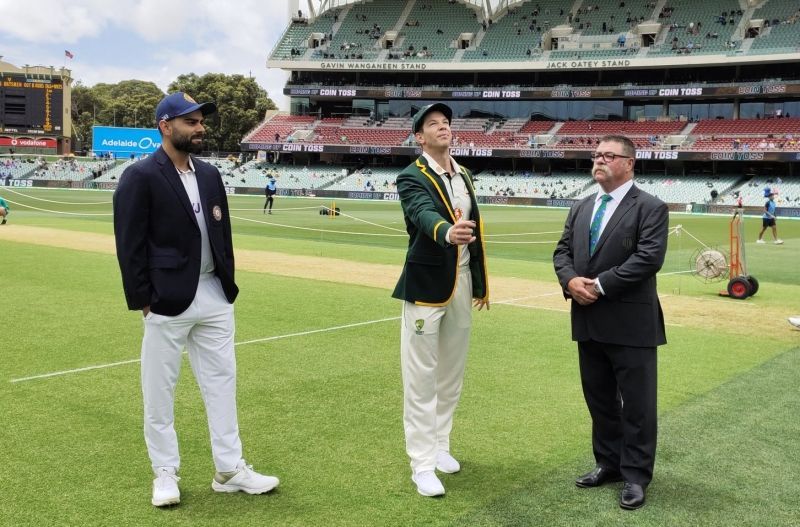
{"x": 433, "y": 354}
{"x": 206, "y": 330}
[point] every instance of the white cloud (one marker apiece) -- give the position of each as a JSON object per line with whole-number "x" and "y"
{"x": 53, "y": 20}
{"x": 173, "y": 36}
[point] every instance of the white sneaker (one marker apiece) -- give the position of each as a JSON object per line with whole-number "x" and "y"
{"x": 428, "y": 484}
{"x": 447, "y": 463}
{"x": 243, "y": 479}
{"x": 778, "y": 242}
{"x": 795, "y": 321}
{"x": 760, "y": 241}
{"x": 165, "y": 487}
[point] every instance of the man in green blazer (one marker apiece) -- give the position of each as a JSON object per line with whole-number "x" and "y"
{"x": 444, "y": 271}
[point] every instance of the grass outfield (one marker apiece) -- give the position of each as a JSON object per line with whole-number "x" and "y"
{"x": 322, "y": 410}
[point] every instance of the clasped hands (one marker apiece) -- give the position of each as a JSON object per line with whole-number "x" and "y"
{"x": 582, "y": 291}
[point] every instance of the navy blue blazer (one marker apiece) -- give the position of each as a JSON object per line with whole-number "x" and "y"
{"x": 158, "y": 238}
{"x": 629, "y": 253}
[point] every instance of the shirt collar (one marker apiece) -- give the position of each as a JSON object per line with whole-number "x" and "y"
{"x": 618, "y": 193}
{"x": 438, "y": 169}
{"x": 191, "y": 168}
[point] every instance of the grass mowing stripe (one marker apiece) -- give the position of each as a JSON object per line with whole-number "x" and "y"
{"x": 727, "y": 457}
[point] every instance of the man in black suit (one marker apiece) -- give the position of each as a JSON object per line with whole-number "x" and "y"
{"x": 175, "y": 252}
{"x": 614, "y": 243}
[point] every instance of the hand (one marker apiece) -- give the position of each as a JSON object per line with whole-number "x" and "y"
{"x": 582, "y": 290}
{"x": 461, "y": 232}
{"x": 480, "y": 302}
{"x": 145, "y": 311}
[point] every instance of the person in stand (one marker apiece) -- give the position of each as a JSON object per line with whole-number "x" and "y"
{"x": 443, "y": 277}
{"x": 769, "y": 220}
{"x": 175, "y": 250}
{"x": 613, "y": 244}
{"x": 270, "y": 190}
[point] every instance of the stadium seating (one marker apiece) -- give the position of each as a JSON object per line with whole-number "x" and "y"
{"x": 748, "y": 126}
{"x": 283, "y": 125}
{"x": 432, "y": 28}
{"x": 516, "y": 33}
{"x": 675, "y": 189}
{"x": 612, "y": 16}
{"x": 114, "y": 173}
{"x": 72, "y": 170}
{"x": 361, "y": 24}
{"x": 502, "y": 183}
{"x": 698, "y": 27}
{"x": 752, "y": 192}
{"x": 375, "y": 179}
{"x": 780, "y": 37}
{"x": 746, "y": 134}
{"x": 16, "y": 168}
{"x": 297, "y": 35}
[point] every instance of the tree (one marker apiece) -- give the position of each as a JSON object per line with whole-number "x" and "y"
{"x": 241, "y": 105}
{"x": 130, "y": 103}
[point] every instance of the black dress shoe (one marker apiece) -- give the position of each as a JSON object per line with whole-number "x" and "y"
{"x": 632, "y": 496}
{"x": 598, "y": 476}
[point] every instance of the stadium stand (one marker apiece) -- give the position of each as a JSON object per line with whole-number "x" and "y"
{"x": 295, "y": 41}
{"x": 431, "y": 30}
{"x": 516, "y": 32}
{"x": 362, "y": 27}
{"x": 701, "y": 27}
{"x": 777, "y": 30}
{"x": 279, "y": 128}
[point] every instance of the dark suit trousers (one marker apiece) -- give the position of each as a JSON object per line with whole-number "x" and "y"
{"x": 619, "y": 385}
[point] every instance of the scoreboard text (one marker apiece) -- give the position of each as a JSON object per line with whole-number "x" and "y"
{"x": 29, "y": 106}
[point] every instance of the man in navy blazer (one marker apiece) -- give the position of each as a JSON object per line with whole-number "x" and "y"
{"x": 175, "y": 252}
{"x": 613, "y": 244}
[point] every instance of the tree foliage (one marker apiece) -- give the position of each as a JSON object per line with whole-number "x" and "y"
{"x": 241, "y": 104}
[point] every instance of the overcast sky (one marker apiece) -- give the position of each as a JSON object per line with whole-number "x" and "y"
{"x": 150, "y": 40}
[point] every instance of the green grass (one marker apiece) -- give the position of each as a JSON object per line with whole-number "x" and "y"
{"x": 323, "y": 410}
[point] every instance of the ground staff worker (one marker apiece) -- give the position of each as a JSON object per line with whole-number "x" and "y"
{"x": 4, "y": 210}
{"x": 614, "y": 243}
{"x": 175, "y": 251}
{"x": 445, "y": 269}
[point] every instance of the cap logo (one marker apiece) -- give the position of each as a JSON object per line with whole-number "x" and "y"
{"x": 188, "y": 99}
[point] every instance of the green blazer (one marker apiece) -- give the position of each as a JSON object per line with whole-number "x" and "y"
{"x": 430, "y": 271}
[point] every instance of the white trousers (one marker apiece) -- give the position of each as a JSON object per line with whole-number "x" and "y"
{"x": 433, "y": 354}
{"x": 206, "y": 330}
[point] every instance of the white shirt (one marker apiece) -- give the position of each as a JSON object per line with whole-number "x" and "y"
{"x": 189, "y": 180}
{"x": 458, "y": 194}
{"x": 611, "y": 206}
{"x": 616, "y": 198}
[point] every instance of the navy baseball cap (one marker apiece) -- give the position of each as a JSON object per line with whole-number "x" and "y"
{"x": 416, "y": 122}
{"x": 178, "y": 103}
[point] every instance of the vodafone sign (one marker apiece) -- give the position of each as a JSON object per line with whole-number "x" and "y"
{"x": 26, "y": 142}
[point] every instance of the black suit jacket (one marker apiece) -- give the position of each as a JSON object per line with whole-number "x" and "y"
{"x": 158, "y": 238}
{"x": 628, "y": 255}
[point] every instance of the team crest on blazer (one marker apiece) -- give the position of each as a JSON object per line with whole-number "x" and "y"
{"x": 217, "y": 213}
{"x": 627, "y": 243}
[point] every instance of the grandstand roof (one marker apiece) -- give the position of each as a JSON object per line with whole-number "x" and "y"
{"x": 320, "y": 6}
